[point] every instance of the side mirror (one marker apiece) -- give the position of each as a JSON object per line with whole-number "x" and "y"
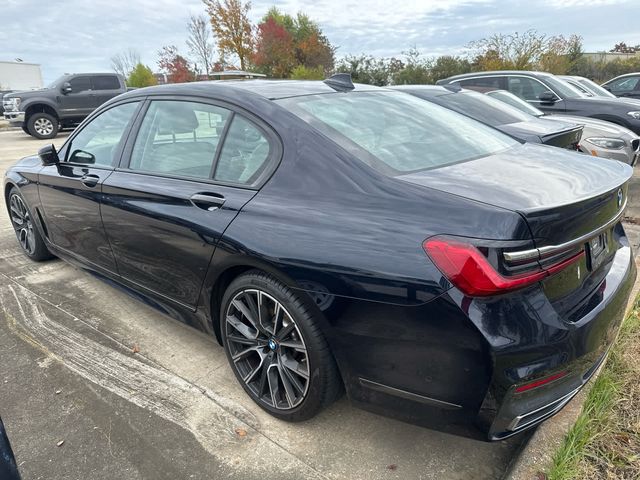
{"x": 48, "y": 155}
{"x": 66, "y": 88}
{"x": 548, "y": 97}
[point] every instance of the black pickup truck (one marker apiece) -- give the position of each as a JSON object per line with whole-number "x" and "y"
{"x": 64, "y": 103}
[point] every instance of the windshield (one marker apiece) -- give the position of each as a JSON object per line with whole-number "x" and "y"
{"x": 563, "y": 88}
{"x": 56, "y": 82}
{"x": 479, "y": 106}
{"x": 396, "y": 133}
{"x": 595, "y": 88}
{"x": 515, "y": 101}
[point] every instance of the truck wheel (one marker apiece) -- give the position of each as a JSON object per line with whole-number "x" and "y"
{"x": 25, "y": 129}
{"x": 42, "y": 126}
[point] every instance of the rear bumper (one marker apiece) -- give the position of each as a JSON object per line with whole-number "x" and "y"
{"x": 578, "y": 350}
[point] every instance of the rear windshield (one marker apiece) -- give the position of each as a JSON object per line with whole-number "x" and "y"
{"x": 484, "y": 109}
{"x": 396, "y": 133}
{"x": 515, "y": 101}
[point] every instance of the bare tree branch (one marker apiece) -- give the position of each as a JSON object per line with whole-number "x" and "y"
{"x": 200, "y": 41}
{"x": 124, "y": 62}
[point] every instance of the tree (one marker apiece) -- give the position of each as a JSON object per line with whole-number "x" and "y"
{"x": 368, "y": 69}
{"x": 516, "y": 51}
{"x": 124, "y": 62}
{"x": 231, "y": 26}
{"x": 141, "y": 76}
{"x": 275, "y": 54}
{"x": 199, "y": 42}
{"x": 305, "y": 73}
{"x": 174, "y": 65}
{"x": 447, "y": 66}
{"x": 415, "y": 70}
{"x": 560, "y": 54}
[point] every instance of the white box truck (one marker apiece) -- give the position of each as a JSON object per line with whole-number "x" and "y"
{"x": 20, "y": 76}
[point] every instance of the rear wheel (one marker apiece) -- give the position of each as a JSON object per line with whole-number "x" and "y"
{"x": 42, "y": 125}
{"x": 27, "y": 233}
{"x": 276, "y": 349}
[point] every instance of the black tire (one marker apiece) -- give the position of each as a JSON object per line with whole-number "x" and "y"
{"x": 42, "y": 126}
{"x": 27, "y": 233}
{"x": 25, "y": 129}
{"x": 304, "y": 348}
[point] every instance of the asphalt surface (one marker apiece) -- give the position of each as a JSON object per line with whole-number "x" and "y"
{"x": 173, "y": 409}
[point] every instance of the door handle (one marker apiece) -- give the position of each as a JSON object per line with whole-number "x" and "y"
{"x": 207, "y": 201}
{"x": 90, "y": 180}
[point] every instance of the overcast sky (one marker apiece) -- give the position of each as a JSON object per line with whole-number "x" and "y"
{"x": 82, "y": 35}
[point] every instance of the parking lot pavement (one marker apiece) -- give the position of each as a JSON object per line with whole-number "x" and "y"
{"x": 174, "y": 409}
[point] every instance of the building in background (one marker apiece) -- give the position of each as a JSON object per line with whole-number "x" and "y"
{"x": 20, "y": 76}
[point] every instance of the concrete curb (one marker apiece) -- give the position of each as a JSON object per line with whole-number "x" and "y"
{"x": 537, "y": 453}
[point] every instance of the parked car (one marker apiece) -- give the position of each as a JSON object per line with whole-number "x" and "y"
{"x": 586, "y": 86}
{"x": 64, "y": 103}
{"x": 627, "y": 85}
{"x": 599, "y": 138}
{"x": 552, "y": 95}
{"x": 336, "y": 236}
{"x": 497, "y": 114}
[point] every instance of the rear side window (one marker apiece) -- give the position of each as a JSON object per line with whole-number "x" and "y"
{"x": 80, "y": 84}
{"x": 179, "y": 138}
{"x": 493, "y": 82}
{"x": 105, "y": 82}
{"x": 97, "y": 142}
{"x": 396, "y": 133}
{"x": 481, "y": 107}
{"x": 244, "y": 154}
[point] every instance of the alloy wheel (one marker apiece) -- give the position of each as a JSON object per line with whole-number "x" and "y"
{"x": 22, "y": 224}
{"x": 43, "y": 126}
{"x": 267, "y": 349}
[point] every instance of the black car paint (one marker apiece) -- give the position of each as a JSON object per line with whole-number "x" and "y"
{"x": 611, "y": 109}
{"x": 349, "y": 232}
{"x": 534, "y": 130}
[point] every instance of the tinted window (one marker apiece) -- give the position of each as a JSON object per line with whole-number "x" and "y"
{"x": 563, "y": 88}
{"x": 594, "y": 87}
{"x": 581, "y": 88}
{"x": 397, "y": 133}
{"x": 624, "y": 84}
{"x": 80, "y": 84}
{"x": 526, "y": 88}
{"x": 97, "y": 142}
{"x": 105, "y": 82}
{"x": 482, "y": 108}
{"x": 244, "y": 153}
{"x": 179, "y": 138}
{"x": 517, "y": 102}
{"x": 481, "y": 82}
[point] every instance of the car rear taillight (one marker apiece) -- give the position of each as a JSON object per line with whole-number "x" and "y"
{"x": 472, "y": 273}
{"x": 540, "y": 382}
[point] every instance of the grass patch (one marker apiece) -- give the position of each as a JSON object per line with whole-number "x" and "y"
{"x": 604, "y": 443}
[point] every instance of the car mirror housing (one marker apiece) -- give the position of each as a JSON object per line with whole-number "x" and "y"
{"x": 48, "y": 155}
{"x": 66, "y": 88}
{"x": 548, "y": 97}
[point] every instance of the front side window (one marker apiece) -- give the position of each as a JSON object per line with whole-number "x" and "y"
{"x": 97, "y": 142}
{"x": 526, "y": 88}
{"x": 179, "y": 138}
{"x": 624, "y": 84}
{"x": 396, "y": 133}
{"x": 80, "y": 84}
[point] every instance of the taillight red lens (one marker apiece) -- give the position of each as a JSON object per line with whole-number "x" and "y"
{"x": 540, "y": 382}
{"x": 470, "y": 271}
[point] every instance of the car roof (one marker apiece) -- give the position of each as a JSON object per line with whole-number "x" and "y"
{"x": 270, "y": 89}
{"x": 530, "y": 73}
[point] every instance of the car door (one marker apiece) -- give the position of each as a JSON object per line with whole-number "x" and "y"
{"x": 79, "y": 102}
{"x": 625, "y": 87}
{"x": 530, "y": 89}
{"x": 105, "y": 87}
{"x": 185, "y": 176}
{"x": 70, "y": 192}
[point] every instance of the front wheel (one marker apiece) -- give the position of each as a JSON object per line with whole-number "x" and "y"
{"x": 42, "y": 126}
{"x": 276, "y": 349}
{"x": 27, "y": 233}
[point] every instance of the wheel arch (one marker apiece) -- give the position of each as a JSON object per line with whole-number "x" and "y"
{"x": 40, "y": 107}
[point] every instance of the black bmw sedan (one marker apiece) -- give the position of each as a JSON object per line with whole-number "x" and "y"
{"x": 337, "y": 238}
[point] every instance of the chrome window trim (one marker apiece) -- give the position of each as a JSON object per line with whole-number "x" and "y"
{"x": 502, "y": 75}
{"x": 537, "y": 253}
